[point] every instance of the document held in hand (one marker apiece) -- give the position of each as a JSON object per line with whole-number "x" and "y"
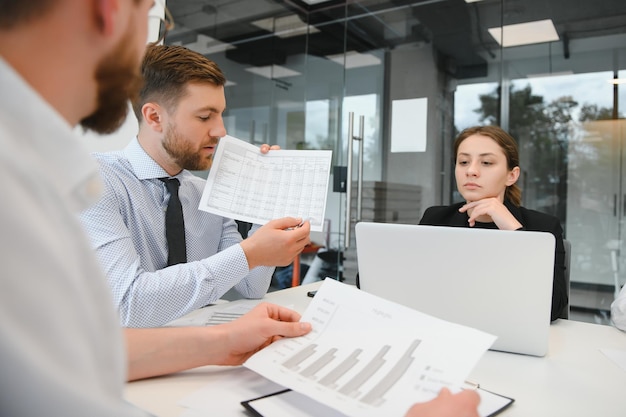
{"x": 246, "y": 185}
{"x": 367, "y": 356}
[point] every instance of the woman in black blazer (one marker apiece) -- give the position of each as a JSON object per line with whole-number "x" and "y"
{"x": 486, "y": 171}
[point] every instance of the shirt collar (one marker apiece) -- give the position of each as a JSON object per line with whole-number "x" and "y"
{"x": 41, "y": 132}
{"x": 144, "y": 166}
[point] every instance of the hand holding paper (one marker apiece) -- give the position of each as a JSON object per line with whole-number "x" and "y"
{"x": 261, "y": 326}
{"x": 277, "y": 243}
{"x": 370, "y": 357}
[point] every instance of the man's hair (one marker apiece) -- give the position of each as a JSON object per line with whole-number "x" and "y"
{"x": 167, "y": 69}
{"x": 17, "y": 12}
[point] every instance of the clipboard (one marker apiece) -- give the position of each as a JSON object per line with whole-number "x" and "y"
{"x": 492, "y": 404}
{"x": 288, "y": 403}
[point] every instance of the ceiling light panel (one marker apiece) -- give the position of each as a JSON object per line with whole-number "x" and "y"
{"x": 353, "y": 59}
{"x": 527, "y": 33}
{"x": 285, "y": 26}
{"x": 273, "y": 71}
{"x": 312, "y": 2}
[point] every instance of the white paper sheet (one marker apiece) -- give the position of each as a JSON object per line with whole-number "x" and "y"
{"x": 617, "y": 356}
{"x": 244, "y": 184}
{"x": 408, "y": 125}
{"x": 225, "y": 390}
{"x": 370, "y": 357}
{"x": 215, "y": 315}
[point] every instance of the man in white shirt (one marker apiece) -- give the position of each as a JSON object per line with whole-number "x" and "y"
{"x": 179, "y": 109}
{"x": 65, "y": 62}
{"x": 63, "y": 351}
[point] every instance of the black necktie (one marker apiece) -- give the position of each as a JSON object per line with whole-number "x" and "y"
{"x": 174, "y": 225}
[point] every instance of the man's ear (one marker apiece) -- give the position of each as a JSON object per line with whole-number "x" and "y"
{"x": 152, "y": 115}
{"x": 105, "y": 11}
{"x": 513, "y": 176}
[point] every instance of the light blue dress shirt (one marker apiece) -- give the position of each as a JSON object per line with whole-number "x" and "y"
{"x": 127, "y": 229}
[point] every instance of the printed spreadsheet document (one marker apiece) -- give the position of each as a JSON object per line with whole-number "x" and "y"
{"x": 246, "y": 185}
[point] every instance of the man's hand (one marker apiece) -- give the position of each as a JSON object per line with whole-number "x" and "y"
{"x": 446, "y": 404}
{"x": 277, "y": 243}
{"x": 255, "y": 330}
{"x": 164, "y": 350}
{"x": 265, "y": 148}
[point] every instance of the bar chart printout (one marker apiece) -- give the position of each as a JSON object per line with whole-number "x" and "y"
{"x": 369, "y": 357}
{"x": 244, "y": 184}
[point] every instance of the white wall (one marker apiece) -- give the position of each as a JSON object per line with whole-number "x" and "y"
{"x": 114, "y": 141}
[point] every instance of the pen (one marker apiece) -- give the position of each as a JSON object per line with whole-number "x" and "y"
{"x": 300, "y": 224}
{"x": 308, "y": 219}
{"x": 471, "y": 385}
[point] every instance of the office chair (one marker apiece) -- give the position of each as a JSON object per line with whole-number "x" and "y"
{"x": 568, "y": 255}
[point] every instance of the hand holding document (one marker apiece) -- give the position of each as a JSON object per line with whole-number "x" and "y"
{"x": 246, "y": 185}
{"x": 370, "y": 357}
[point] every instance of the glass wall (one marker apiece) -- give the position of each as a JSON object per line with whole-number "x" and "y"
{"x": 540, "y": 69}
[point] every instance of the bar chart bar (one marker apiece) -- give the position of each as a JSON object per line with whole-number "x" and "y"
{"x": 375, "y": 396}
{"x": 322, "y": 361}
{"x": 293, "y": 362}
{"x": 351, "y": 388}
{"x": 331, "y": 378}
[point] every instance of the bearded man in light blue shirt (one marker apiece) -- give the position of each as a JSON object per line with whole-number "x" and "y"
{"x": 180, "y": 110}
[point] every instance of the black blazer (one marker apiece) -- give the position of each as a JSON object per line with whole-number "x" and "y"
{"x": 531, "y": 220}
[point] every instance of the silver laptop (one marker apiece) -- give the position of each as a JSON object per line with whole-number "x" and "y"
{"x": 493, "y": 280}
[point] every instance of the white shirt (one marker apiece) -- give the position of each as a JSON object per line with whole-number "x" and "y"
{"x": 61, "y": 347}
{"x": 127, "y": 229}
{"x": 618, "y": 310}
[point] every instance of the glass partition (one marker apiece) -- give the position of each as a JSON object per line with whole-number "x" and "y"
{"x": 298, "y": 69}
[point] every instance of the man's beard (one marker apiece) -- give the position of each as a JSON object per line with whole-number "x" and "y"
{"x": 182, "y": 153}
{"x": 118, "y": 81}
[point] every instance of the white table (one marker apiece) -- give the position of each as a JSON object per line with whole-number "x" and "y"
{"x": 574, "y": 379}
